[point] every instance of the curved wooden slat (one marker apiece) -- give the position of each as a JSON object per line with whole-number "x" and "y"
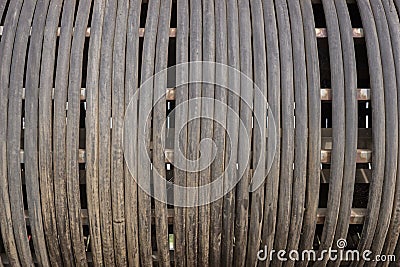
{"x": 182, "y": 95}
{"x": 378, "y": 126}
{"x": 131, "y": 81}
{"x": 34, "y": 196}
{"x": 59, "y": 132}
{"x": 287, "y": 125}
{"x": 159, "y": 117}
{"x": 246, "y": 100}
{"x": 219, "y": 135}
{"x": 14, "y": 132}
{"x": 232, "y": 127}
{"x": 145, "y": 103}
{"x": 314, "y": 131}
{"x": 6, "y": 47}
{"x": 118, "y": 114}
{"x": 338, "y": 127}
{"x": 92, "y": 132}
{"x": 206, "y": 130}
{"x": 392, "y": 235}
{"x": 105, "y": 105}
{"x": 392, "y": 131}
{"x": 301, "y": 127}
{"x": 350, "y": 78}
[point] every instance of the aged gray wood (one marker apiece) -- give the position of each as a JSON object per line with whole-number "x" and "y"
{"x": 392, "y": 131}
{"x": 32, "y": 163}
{"x": 232, "y": 127}
{"x": 394, "y": 28}
{"x": 287, "y": 135}
{"x": 338, "y": 127}
{"x": 274, "y": 105}
{"x": 207, "y": 111}
{"x": 118, "y": 114}
{"x": 219, "y": 135}
{"x": 301, "y": 127}
{"x": 131, "y": 84}
{"x": 105, "y": 95}
{"x": 92, "y": 132}
{"x": 144, "y": 133}
{"x": 14, "y": 132}
{"x": 180, "y": 142}
{"x": 351, "y": 109}
{"x": 159, "y": 117}
{"x": 378, "y": 126}
{"x": 6, "y": 47}
{"x": 72, "y": 137}
{"x": 59, "y": 132}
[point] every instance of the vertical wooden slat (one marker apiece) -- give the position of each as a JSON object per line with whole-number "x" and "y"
{"x": 59, "y": 133}
{"x": 394, "y": 27}
{"x": 207, "y": 112}
{"x": 14, "y": 133}
{"x": 195, "y": 44}
{"x": 219, "y": 135}
{"x": 287, "y": 145}
{"x": 314, "y": 131}
{"x": 378, "y": 127}
{"x": 45, "y": 131}
{"x": 392, "y": 124}
{"x": 131, "y": 84}
{"x": 274, "y": 102}
{"x": 351, "y": 108}
{"x": 117, "y": 158}
{"x": 31, "y": 147}
{"x": 105, "y": 94}
{"x": 159, "y": 131}
{"x": 246, "y": 102}
{"x": 301, "y": 128}
{"x": 144, "y": 133}
{"x": 6, "y": 47}
{"x": 92, "y": 132}
{"x": 180, "y": 142}
{"x": 72, "y": 138}
{"x": 232, "y": 127}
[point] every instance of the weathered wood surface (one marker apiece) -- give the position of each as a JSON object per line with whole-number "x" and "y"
{"x": 68, "y": 73}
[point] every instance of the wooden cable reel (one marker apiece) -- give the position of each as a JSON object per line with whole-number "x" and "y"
{"x": 329, "y": 70}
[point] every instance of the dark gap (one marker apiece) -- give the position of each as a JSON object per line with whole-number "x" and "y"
{"x": 82, "y": 191}
{"x": 85, "y": 62}
{"x": 143, "y": 15}
{"x": 317, "y": 236}
{"x": 319, "y": 16}
{"x": 174, "y": 15}
{"x": 323, "y": 195}
{"x": 326, "y": 114}
{"x": 353, "y": 236}
{"x": 360, "y": 196}
{"x": 354, "y": 15}
{"x": 26, "y": 61}
{"x": 324, "y": 62}
{"x": 90, "y": 14}
{"x": 2, "y": 19}
{"x": 362, "y": 63}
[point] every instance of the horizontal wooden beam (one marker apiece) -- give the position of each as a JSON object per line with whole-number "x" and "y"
{"x": 363, "y": 94}
{"x": 320, "y": 32}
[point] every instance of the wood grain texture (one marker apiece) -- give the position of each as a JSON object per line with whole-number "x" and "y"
{"x": 378, "y": 126}
{"x": 180, "y": 142}
{"x": 131, "y": 82}
{"x": 92, "y": 132}
{"x": 287, "y": 134}
{"x": 59, "y": 132}
{"x": 232, "y": 127}
{"x": 105, "y": 95}
{"x": 14, "y": 132}
{"x": 31, "y": 146}
{"x": 6, "y": 47}
{"x": 159, "y": 117}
